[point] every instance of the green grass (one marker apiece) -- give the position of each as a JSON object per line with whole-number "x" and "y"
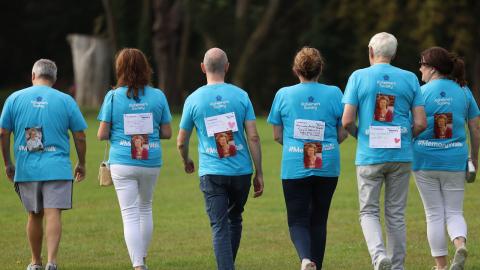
{"x": 93, "y": 238}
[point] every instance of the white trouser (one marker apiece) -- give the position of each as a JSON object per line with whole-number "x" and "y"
{"x": 442, "y": 194}
{"x": 134, "y": 186}
{"x": 370, "y": 179}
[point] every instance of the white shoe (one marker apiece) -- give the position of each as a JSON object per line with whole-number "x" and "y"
{"x": 459, "y": 259}
{"x": 308, "y": 265}
{"x": 383, "y": 264}
{"x": 34, "y": 267}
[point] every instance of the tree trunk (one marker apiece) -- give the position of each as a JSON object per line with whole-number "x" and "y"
{"x": 254, "y": 41}
{"x": 166, "y": 36}
{"x": 183, "y": 55}
{"x": 92, "y": 67}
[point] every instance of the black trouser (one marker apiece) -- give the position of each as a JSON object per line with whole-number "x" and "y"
{"x": 308, "y": 201}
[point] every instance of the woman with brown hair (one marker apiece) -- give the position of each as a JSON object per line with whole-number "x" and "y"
{"x": 306, "y": 116}
{"x": 441, "y": 152}
{"x": 135, "y": 113}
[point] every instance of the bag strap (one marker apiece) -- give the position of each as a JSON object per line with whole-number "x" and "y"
{"x": 111, "y": 124}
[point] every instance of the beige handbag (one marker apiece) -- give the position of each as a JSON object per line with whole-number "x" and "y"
{"x": 104, "y": 175}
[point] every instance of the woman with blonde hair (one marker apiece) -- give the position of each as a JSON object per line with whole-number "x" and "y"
{"x": 132, "y": 110}
{"x": 302, "y": 115}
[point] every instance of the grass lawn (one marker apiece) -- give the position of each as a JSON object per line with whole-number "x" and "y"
{"x": 93, "y": 237}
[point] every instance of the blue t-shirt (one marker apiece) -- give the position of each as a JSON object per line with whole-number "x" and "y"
{"x": 40, "y": 118}
{"x": 443, "y": 146}
{"x": 216, "y": 100}
{"x": 308, "y": 101}
{"x": 123, "y": 147}
{"x": 370, "y": 89}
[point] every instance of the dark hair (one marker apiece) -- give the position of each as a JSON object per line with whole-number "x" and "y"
{"x": 308, "y": 63}
{"x": 445, "y": 62}
{"x": 133, "y": 71}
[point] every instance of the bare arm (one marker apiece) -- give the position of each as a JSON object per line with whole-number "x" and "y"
{"x": 419, "y": 120}
{"x": 349, "y": 119}
{"x": 342, "y": 134}
{"x": 5, "y": 144}
{"x": 278, "y": 134}
{"x": 165, "y": 131}
{"x": 183, "y": 140}
{"x": 474, "y": 130}
{"x": 103, "y": 132}
{"x": 80, "y": 141}
{"x": 253, "y": 140}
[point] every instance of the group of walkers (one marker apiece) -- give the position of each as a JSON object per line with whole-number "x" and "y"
{"x": 401, "y": 127}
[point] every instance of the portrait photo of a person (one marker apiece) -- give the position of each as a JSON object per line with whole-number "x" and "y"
{"x": 443, "y": 126}
{"x": 225, "y": 144}
{"x": 34, "y": 139}
{"x": 384, "y": 108}
{"x": 139, "y": 146}
{"x": 312, "y": 155}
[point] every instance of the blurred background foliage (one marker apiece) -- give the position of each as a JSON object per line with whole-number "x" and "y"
{"x": 260, "y": 37}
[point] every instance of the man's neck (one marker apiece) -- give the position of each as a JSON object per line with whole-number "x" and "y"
{"x": 41, "y": 82}
{"x": 381, "y": 60}
{"x": 215, "y": 78}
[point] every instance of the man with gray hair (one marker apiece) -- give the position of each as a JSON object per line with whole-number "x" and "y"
{"x": 384, "y": 96}
{"x": 228, "y": 141}
{"x": 40, "y": 117}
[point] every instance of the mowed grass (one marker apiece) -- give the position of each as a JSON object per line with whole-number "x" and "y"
{"x": 93, "y": 236}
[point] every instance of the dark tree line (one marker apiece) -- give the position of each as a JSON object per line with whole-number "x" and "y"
{"x": 260, "y": 37}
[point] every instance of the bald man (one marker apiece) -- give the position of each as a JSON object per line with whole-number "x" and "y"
{"x": 222, "y": 113}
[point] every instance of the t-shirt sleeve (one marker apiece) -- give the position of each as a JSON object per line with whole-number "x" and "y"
{"x": 166, "y": 116}
{"x": 275, "y": 117}
{"x": 418, "y": 99}
{"x": 6, "y": 120}
{"x": 76, "y": 121}
{"x": 473, "y": 110}
{"x": 250, "y": 113}
{"x": 187, "y": 119}
{"x": 351, "y": 91}
{"x": 105, "y": 113}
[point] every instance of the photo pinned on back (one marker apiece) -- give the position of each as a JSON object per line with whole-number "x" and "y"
{"x": 139, "y": 146}
{"x": 384, "y": 105}
{"x": 225, "y": 144}
{"x": 34, "y": 139}
{"x": 312, "y": 155}
{"x": 443, "y": 125}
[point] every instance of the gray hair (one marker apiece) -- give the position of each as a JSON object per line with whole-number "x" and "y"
{"x": 383, "y": 44}
{"x": 215, "y": 60}
{"x": 45, "y": 69}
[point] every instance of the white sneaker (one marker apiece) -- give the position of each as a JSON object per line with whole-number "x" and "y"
{"x": 34, "y": 267}
{"x": 383, "y": 264}
{"x": 50, "y": 266}
{"x": 459, "y": 259}
{"x": 308, "y": 265}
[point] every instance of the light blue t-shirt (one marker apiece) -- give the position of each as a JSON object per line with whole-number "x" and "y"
{"x": 444, "y": 147}
{"x": 308, "y": 101}
{"x": 214, "y": 100}
{"x": 40, "y": 118}
{"x": 366, "y": 89}
{"x": 151, "y": 101}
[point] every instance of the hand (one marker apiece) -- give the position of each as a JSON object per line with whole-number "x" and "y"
{"x": 79, "y": 172}
{"x": 10, "y": 171}
{"x": 257, "y": 185}
{"x": 189, "y": 166}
